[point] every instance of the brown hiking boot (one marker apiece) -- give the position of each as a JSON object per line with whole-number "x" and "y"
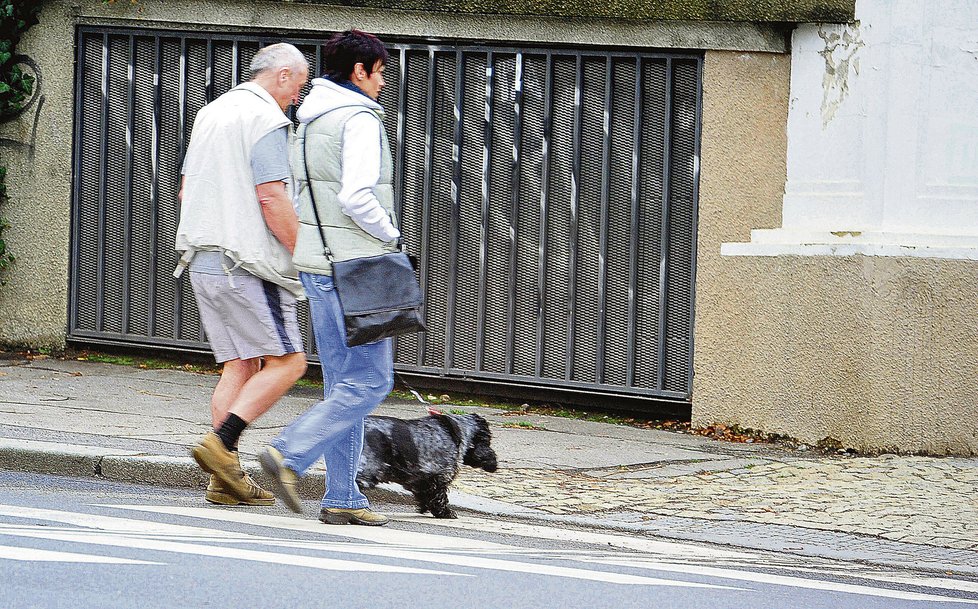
{"x": 362, "y": 516}
{"x": 216, "y": 493}
{"x": 212, "y": 457}
{"x": 283, "y": 478}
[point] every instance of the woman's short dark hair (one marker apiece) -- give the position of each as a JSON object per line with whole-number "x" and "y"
{"x": 346, "y": 49}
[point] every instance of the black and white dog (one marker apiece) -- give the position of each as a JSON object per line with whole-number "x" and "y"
{"x": 424, "y": 455}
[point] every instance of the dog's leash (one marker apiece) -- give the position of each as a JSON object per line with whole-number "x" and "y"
{"x": 430, "y": 407}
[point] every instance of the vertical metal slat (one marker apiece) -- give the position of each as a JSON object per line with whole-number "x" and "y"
{"x": 664, "y": 234}
{"x": 402, "y": 88}
{"x": 209, "y": 72}
{"x": 235, "y": 68}
{"x": 514, "y": 213}
{"x": 154, "y": 219}
{"x": 484, "y": 232}
{"x": 575, "y": 192}
{"x": 452, "y": 296}
{"x": 429, "y": 136}
{"x": 182, "y": 131}
{"x": 103, "y": 189}
{"x": 210, "y": 87}
{"x": 603, "y": 230}
{"x": 635, "y": 219}
{"x": 402, "y": 84}
{"x": 127, "y": 187}
{"x": 542, "y": 301}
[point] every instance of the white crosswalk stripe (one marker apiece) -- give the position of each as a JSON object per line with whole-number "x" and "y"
{"x": 36, "y": 555}
{"x": 131, "y": 541}
{"x": 781, "y": 580}
{"x": 435, "y": 554}
{"x": 896, "y": 577}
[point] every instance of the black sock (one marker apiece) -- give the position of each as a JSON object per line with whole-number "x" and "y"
{"x": 230, "y": 431}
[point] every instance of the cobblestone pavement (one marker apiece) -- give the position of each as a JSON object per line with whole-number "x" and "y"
{"x": 921, "y": 500}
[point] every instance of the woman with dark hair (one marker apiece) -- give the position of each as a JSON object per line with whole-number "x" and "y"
{"x": 342, "y": 163}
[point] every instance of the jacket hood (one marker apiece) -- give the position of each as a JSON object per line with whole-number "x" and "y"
{"x": 326, "y": 95}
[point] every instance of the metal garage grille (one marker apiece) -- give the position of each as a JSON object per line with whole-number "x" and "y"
{"x": 550, "y": 193}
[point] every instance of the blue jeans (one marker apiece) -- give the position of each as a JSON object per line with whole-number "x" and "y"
{"x": 355, "y": 381}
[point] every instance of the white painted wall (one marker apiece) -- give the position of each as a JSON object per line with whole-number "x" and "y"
{"x": 882, "y": 136}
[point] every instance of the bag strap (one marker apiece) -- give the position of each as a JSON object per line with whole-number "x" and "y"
{"x": 312, "y": 197}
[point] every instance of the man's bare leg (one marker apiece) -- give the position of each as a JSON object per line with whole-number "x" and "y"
{"x": 235, "y": 374}
{"x": 266, "y": 386}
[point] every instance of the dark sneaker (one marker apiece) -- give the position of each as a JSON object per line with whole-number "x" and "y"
{"x": 212, "y": 457}
{"x": 283, "y": 478}
{"x": 216, "y": 493}
{"x": 362, "y": 516}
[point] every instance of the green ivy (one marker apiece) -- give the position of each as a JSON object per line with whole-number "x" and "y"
{"x": 16, "y": 16}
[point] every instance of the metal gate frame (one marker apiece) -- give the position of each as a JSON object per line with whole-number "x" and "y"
{"x": 412, "y": 356}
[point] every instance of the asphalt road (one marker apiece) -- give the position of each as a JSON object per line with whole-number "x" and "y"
{"x": 83, "y": 543}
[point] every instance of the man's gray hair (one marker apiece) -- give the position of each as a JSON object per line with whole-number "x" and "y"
{"x": 277, "y": 56}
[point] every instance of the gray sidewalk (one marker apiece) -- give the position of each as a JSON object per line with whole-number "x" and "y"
{"x": 130, "y": 424}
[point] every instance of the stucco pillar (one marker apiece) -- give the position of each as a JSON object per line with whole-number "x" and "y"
{"x": 882, "y": 136}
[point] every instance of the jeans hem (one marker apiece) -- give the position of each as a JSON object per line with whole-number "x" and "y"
{"x": 357, "y": 505}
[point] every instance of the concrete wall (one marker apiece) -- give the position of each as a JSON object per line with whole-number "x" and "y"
{"x": 880, "y": 353}
{"x": 705, "y": 10}
{"x": 36, "y": 149}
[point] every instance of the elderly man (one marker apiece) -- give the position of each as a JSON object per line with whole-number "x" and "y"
{"x": 237, "y": 233}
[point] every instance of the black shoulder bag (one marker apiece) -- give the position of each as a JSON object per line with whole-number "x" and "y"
{"x": 379, "y": 295}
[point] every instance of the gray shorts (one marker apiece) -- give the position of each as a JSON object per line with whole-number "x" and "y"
{"x": 246, "y": 317}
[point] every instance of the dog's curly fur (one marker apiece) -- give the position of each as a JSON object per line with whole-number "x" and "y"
{"x": 424, "y": 455}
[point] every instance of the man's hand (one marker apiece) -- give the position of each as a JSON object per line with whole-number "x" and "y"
{"x": 276, "y": 208}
